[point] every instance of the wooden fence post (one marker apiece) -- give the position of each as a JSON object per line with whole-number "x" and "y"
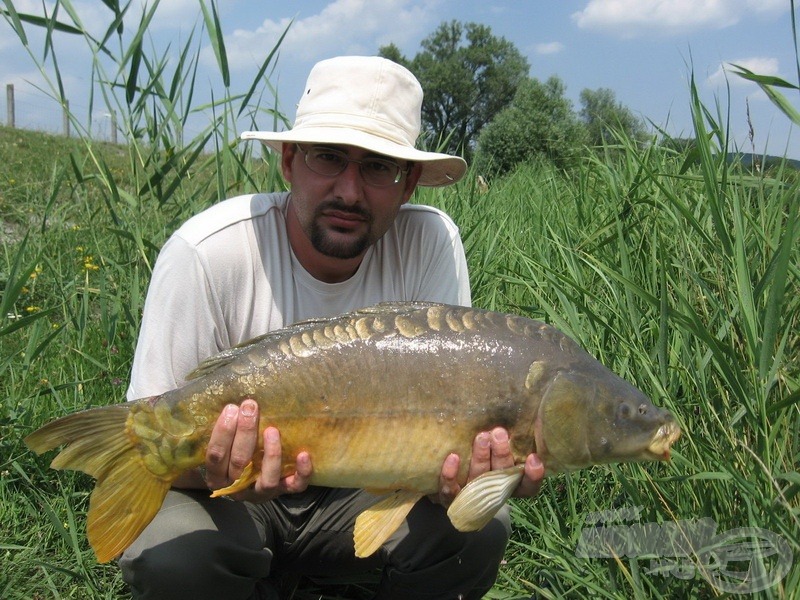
{"x": 10, "y": 105}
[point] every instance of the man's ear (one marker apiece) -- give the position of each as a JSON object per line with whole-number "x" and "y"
{"x": 411, "y": 182}
{"x": 288, "y": 152}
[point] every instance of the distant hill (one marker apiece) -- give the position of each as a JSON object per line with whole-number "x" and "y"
{"x": 748, "y": 159}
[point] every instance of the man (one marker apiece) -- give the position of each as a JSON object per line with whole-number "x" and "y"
{"x": 342, "y": 238}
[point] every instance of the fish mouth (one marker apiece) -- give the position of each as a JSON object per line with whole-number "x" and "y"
{"x": 663, "y": 439}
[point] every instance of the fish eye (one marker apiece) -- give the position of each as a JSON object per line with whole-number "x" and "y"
{"x": 624, "y": 410}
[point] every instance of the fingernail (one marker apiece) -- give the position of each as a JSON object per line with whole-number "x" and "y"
{"x": 484, "y": 440}
{"x": 536, "y": 466}
{"x": 248, "y": 408}
{"x": 273, "y": 435}
{"x": 229, "y": 413}
{"x": 500, "y": 436}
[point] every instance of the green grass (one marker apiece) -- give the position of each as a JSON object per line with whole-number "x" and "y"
{"x": 680, "y": 272}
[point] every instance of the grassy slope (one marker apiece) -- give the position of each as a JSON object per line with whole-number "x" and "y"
{"x": 683, "y": 281}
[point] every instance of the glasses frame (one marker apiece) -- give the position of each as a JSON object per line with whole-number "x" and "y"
{"x": 347, "y": 160}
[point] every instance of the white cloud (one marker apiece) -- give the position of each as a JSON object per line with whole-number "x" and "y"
{"x": 173, "y": 14}
{"x": 633, "y": 18}
{"x": 757, "y": 64}
{"x": 549, "y": 48}
{"x": 342, "y": 27}
{"x": 767, "y": 6}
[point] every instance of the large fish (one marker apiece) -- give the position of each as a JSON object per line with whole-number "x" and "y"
{"x": 378, "y": 398}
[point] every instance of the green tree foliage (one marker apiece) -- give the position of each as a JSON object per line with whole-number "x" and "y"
{"x": 469, "y": 76}
{"x": 538, "y": 124}
{"x": 605, "y": 118}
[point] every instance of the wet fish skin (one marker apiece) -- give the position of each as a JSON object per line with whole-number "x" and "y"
{"x": 378, "y": 397}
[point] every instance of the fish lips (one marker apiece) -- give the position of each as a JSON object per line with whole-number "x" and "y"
{"x": 664, "y": 438}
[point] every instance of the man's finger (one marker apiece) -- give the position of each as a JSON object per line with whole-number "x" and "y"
{"x": 481, "y": 460}
{"x": 502, "y": 457}
{"x": 271, "y": 462}
{"x": 246, "y": 439}
{"x": 448, "y": 480}
{"x": 532, "y": 481}
{"x": 298, "y": 481}
{"x": 219, "y": 448}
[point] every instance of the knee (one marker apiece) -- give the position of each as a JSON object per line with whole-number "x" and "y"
{"x": 171, "y": 569}
{"x": 167, "y": 560}
{"x": 196, "y": 548}
{"x": 491, "y": 541}
{"x": 429, "y": 538}
{"x": 195, "y": 566}
{"x": 433, "y": 560}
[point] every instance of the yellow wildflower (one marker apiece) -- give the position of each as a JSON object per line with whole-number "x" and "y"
{"x": 88, "y": 263}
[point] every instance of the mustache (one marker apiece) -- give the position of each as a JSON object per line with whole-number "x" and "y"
{"x": 338, "y": 206}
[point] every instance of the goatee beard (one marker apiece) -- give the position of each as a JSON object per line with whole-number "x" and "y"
{"x": 322, "y": 242}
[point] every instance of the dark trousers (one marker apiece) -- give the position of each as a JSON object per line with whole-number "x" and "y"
{"x": 198, "y": 547}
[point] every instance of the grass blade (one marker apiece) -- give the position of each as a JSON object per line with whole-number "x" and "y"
{"x": 218, "y": 40}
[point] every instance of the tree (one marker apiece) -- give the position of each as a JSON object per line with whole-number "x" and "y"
{"x": 604, "y": 117}
{"x": 468, "y": 76}
{"x": 538, "y": 124}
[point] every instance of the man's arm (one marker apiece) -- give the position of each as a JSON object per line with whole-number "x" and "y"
{"x": 181, "y": 324}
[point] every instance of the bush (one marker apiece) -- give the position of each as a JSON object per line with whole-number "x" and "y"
{"x": 539, "y": 123}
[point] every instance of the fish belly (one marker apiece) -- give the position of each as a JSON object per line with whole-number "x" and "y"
{"x": 377, "y": 453}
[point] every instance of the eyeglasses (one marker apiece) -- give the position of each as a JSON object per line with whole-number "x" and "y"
{"x": 330, "y": 162}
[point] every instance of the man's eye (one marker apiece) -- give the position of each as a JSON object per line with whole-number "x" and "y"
{"x": 329, "y": 156}
{"x": 379, "y": 166}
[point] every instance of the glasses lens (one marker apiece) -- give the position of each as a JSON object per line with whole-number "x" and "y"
{"x": 330, "y": 162}
{"x": 326, "y": 161}
{"x": 379, "y": 172}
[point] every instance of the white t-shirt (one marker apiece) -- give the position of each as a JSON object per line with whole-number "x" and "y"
{"x": 229, "y": 274}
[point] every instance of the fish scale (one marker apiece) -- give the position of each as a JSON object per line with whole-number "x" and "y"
{"x": 378, "y": 398}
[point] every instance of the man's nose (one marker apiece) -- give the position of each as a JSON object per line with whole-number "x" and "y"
{"x": 349, "y": 184}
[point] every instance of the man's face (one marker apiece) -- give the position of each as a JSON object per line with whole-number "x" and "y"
{"x": 342, "y": 215}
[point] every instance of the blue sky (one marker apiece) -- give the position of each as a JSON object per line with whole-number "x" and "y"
{"x": 643, "y": 50}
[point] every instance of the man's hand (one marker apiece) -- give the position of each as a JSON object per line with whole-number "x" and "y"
{"x": 490, "y": 451}
{"x": 233, "y": 442}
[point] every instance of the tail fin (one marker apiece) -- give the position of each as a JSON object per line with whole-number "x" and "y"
{"x": 127, "y": 495}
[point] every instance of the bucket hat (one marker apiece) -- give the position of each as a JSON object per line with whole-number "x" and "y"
{"x": 368, "y": 102}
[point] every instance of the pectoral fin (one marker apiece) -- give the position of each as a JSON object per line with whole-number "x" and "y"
{"x": 375, "y": 525}
{"x": 246, "y": 479}
{"x": 482, "y": 497}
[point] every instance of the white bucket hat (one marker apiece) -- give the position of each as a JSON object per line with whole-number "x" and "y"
{"x": 368, "y": 102}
